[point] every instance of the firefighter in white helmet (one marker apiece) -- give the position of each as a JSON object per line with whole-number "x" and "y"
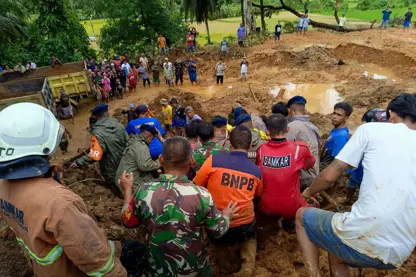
{"x": 50, "y": 222}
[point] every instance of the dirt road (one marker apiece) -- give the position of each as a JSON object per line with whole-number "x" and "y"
{"x": 378, "y": 65}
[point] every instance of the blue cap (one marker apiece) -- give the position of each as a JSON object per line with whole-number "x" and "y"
{"x": 149, "y": 128}
{"x": 140, "y": 109}
{"x": 242, "y": 119}
{"x": 219, "y": 120}
{"x": 131, "y": 105}
{"x": 237, "y": 112}
{"x": 297, "y": 100}
{"x": 100, "y": 109}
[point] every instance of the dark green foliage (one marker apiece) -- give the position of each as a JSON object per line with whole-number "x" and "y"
{"x": 133, "y": 25}
{"x": 200, "y": 10}
{"x": 56, "y": 31}
{"x": 365, "y": 5}
{"x": 12, "y": 21}
{"x": 289, "y": 27}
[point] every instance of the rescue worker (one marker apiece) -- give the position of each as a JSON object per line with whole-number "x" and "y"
{"x": 233, "y": 177}
{"x": 107, "y": 146}
{"x": 136, "y": 157}
{"x": 220, "y": 131}
{"x": 51, "y": 223}
{"x": 256, "y": 138}
{"x": 205, "y": 133}
{"x": 133, "y": 127}
{"x": 280, "y": 161}
{"x": 174, "y": 211}
{"x": 379, "y": 230}
{"x": 302, "y": 129}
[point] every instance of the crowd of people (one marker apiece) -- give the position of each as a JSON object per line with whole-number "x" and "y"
{"x": 232, "y": 179}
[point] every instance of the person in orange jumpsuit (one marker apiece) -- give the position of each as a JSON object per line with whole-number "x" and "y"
{"x": 51, "y": 223}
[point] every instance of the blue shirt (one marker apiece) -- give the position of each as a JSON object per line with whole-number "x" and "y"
{"x": 386, "y": 14}
{"x": 334, "y": 144}
{"x": 156, "y": 146}
{"x": 357, "y": 174}
{"x": 144, "y": 73}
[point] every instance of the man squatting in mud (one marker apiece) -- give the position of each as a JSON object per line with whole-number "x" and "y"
{"x": 379, "y": 232}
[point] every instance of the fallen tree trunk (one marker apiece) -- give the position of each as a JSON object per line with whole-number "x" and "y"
{"x": 314, "y": 23}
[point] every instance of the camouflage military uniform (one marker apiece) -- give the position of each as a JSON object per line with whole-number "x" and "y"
{"x": 202, "y": 154}
{"x": 174, "y": 210}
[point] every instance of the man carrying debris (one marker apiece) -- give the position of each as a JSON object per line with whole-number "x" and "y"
{"x": 256, "y": 138}
{"x": 280, "y": 161}
{"x": 379, "y": 230}
{"x": 234, "y": 177}
{"x": 302, "y": 129}
{"x": 51, "y": 223}
{"x": 174, "y": 211}
{"x": 339, "y": 136}
{"x": 108, "y": 142}
{"x": 136, "y": 157}
{"x": 142, "y": 112}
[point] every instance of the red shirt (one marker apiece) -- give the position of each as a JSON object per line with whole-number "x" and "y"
{"x": 190, "y": 40}
{"x": 280, "y": 163}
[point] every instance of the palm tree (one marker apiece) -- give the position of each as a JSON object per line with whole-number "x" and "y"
{"x": 200, "y": 10}
{"x": 12, "y": 15}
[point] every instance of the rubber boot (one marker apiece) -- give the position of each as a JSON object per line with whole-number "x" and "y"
{"x": 221, "y": 258}
{"x": 248, "y": 255}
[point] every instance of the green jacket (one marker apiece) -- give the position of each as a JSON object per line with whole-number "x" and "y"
{"x": 256, "y": 142}
{"x": 137, "y": 160}
{"x": 112, "y": 138}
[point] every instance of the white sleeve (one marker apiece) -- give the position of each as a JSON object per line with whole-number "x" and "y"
{"x": 353, "y": 151}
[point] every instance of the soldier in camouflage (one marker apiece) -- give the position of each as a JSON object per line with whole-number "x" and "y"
{"x": 174, "y": 211}
{"x": 209, "y": 147}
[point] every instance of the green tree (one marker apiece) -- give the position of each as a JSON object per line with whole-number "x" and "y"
{"x": 12, "y": 21}
{"x": 58, "y": 30}
{"x": 133, "y": 25}
{"x": 200, "y": 10}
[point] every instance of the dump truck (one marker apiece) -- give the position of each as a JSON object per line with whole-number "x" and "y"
{"x": 43, "y": 85}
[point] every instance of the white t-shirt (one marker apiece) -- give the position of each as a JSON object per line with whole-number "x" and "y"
{"x": 382, "y": 223}
{"x": 144, "y": 60}
{"x": 306, "y": 21}
{"x": 301, "y": 19}
{"x": 342, "y": 21}
{"x": 244, "y": 68}
{"x": 32, "y": 66}
{"x": 126, "y": 65}
{"x": 169, "y": 65}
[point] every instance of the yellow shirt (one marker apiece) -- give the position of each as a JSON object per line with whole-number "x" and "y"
{"x": 262, "y": 134}
{"x": 167, "y": 114}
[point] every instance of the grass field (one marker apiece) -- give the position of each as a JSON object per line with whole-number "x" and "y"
{"x": 228, "y": 26}
{"x": 219, "y": 28}
{"x": 371, "y": 14}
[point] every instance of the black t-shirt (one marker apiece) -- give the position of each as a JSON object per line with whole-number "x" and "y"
{"x": 408, "y": 16}
{"x": 278, "y": 28}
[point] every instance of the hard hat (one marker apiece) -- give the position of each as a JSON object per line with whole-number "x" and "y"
{"x": 28, "y": 129}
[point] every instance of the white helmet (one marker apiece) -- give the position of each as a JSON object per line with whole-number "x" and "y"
{"x": 27, "y": 130}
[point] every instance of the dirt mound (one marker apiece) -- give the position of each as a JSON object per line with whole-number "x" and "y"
{"x": 316, "y": 54}
{"x": 366, "y": 54}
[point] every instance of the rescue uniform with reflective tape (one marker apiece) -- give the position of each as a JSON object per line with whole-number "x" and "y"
{"x": 52, "y": 225}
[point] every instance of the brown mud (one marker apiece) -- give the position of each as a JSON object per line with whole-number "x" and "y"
{"x": 312, "y": 60}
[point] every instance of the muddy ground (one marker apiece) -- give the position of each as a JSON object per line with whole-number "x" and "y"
{"x": 312, "y": 68}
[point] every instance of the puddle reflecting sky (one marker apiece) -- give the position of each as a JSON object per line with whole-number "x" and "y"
{"x": 321, "y": 97}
